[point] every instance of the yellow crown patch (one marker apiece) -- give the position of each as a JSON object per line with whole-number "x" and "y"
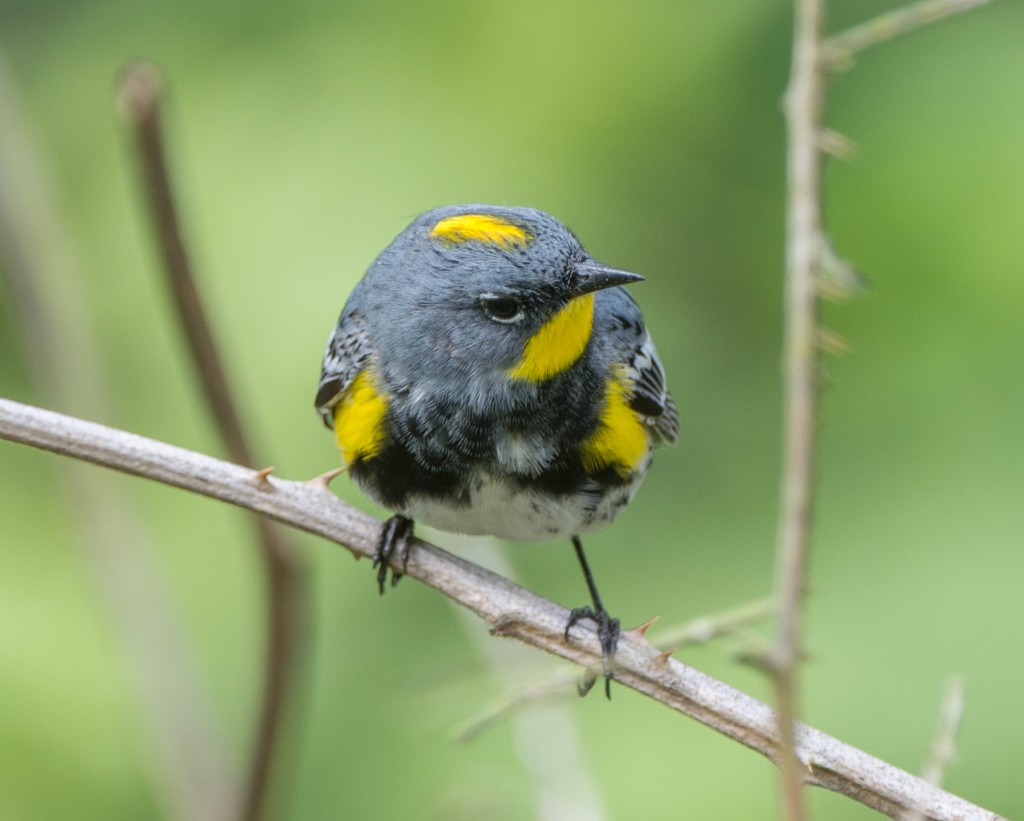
{"x": 481, "y": 228}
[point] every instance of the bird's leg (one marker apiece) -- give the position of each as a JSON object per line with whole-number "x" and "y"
{"x": 395, "y": 533}
{"x": 607, "y": 627}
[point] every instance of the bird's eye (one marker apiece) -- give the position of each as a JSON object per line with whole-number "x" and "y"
{"x": 501, "y": 308}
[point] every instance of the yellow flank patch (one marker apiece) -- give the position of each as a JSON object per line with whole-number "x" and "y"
{"x": 359, "y": 419}
{"x": 559, "y": 342}
{"x": 481, "y": 228}
{"x": 620, "y": 440}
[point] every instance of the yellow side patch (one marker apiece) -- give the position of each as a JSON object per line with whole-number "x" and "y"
{"x": 359, "y": 419}
{"x": 481, "y": 228}
{"x": 620, "y": 440}
{"x": 559, "y": 342}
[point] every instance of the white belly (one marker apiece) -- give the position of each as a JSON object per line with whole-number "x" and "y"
{"x": 497, "y": 508}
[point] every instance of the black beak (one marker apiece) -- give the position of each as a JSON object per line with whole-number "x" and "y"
{"x": 593, "y": 276}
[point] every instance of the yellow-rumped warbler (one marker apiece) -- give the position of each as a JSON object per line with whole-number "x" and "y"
{"x": 487, "y": 376}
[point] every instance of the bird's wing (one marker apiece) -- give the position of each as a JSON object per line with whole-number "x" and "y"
{"x": 651, "y": 399}
{"x": 347, "y": 354}
{"x": 634, "y": 349}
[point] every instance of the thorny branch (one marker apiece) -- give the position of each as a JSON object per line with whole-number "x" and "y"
{"x": 804, "y": 107}
{"x": 509, "y": 609}
{"x": 809, "y": 255}
{"x": 560, "y": 686}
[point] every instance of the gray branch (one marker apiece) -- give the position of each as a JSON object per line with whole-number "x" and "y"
{"x": 510, "y": 609}
{"x": 839, "y": 50}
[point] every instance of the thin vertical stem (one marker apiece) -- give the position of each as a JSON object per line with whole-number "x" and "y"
{"x": 804, "y": 111}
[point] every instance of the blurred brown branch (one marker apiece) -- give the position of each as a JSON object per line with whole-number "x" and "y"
{"x": 189, "y": 769}
{"x": 510, "y": 610}
{"x": 288, "y": 608}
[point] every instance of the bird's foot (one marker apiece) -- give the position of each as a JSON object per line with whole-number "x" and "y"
{"x": 607, "y": 635}
{"x": 396, "y": 534}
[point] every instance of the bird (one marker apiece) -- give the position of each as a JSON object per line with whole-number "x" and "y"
{"x": 488, "y": 376}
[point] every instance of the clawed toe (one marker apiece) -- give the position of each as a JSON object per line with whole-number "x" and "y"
{"x": 607, "y": 635}
{"x": 396, "y": 533}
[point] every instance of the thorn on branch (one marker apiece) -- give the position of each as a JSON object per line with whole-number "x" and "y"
{"x": 832, "y": 342}
{"x": 640, "y": 631}
{"x": 838, "y": 145}
{"x": 323, "y": 481}
{"x": 505, "y": 626}
{"x": 260, "y": 478}
{"x": 835, "y": 278}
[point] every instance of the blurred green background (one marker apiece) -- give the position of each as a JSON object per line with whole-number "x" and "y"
{"x": 304, "y": 136}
